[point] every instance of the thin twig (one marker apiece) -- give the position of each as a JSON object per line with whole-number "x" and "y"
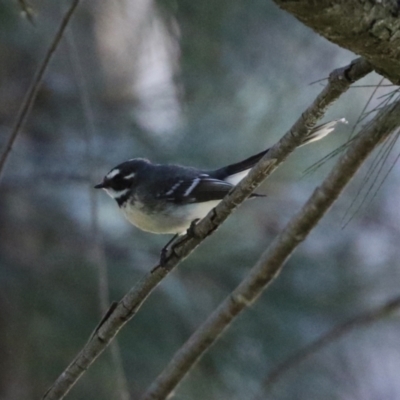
{"x": 271, "y": 262}
{"x": 363, "y": 115}
{"x": 34, "y": 87}
{"x": 318, "y": 81}
{"x": 378, "y": 163}
{"x": 312, "y": 168}
{"x": 377, "y": 168}
{"x": 390, "y": 94}
{"x": 339, "y": 82}
{"x": 366, "y": 106}
{"x": 396, "y": 137}
{"x": 371, "y": 86}
{"x": 333, "y": 335}
{"x": 372, "y": 168}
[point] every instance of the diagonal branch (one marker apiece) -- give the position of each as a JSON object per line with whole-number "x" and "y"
{"x": 339, "y": 81}
{"x": 336, "y": 333}
{"x": 35, "y": 85}
{"x": 271, "y": 262}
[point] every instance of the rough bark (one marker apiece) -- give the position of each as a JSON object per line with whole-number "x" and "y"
{"x": 370, "y": 28}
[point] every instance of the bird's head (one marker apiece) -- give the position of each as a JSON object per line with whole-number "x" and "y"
{"x": 118, "y": 182}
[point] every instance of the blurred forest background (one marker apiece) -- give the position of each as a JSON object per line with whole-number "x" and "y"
{"x": 205, "y": 84}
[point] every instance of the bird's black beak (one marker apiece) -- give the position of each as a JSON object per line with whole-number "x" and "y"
{"x": 100, "y": 186}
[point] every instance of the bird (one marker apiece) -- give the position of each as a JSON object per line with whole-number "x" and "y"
{"x": 169, "y": 198}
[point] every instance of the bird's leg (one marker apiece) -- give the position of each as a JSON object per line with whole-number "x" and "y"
{"x": 189, "y": 234}
{"x": 163, "y": 253}
{"x": 190, "y": 231}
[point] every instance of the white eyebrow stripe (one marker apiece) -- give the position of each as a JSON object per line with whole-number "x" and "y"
{"x": 130, "y": 176}
{"x": 173, "y": 188}
{"x": 191, "y": 187}
{"x": 113, "y": 173}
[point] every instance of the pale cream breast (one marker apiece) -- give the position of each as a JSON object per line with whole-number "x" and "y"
{"x": 174, "y": 219}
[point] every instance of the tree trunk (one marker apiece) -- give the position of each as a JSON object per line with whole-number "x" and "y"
{"x": 370, "y": 28}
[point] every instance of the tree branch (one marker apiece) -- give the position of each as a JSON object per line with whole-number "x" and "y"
{"x": 339, "y": 81}
{"x": 35, "y": 85}
{"x": 271, "y": 262}
{"x": 335, "y": 334}
{"x": 368, "y": 28}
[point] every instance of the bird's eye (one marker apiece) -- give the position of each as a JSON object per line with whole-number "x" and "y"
{"x": 118, "y": 183}
{"x": 119, "y": 179}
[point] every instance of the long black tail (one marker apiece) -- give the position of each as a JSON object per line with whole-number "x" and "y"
{"x": 236, "y": 172}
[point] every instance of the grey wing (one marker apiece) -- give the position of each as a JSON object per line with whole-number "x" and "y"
{"x": 197, "y": 190}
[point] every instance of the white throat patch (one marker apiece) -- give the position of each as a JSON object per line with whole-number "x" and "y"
{"x": 114, "y": 194}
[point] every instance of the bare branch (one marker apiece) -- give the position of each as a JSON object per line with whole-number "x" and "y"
{"x": 271, "y": 262}
{"x": 338, "y": 83}
{"x": 35, "y": 85}
{"x": 335, "y": 334}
